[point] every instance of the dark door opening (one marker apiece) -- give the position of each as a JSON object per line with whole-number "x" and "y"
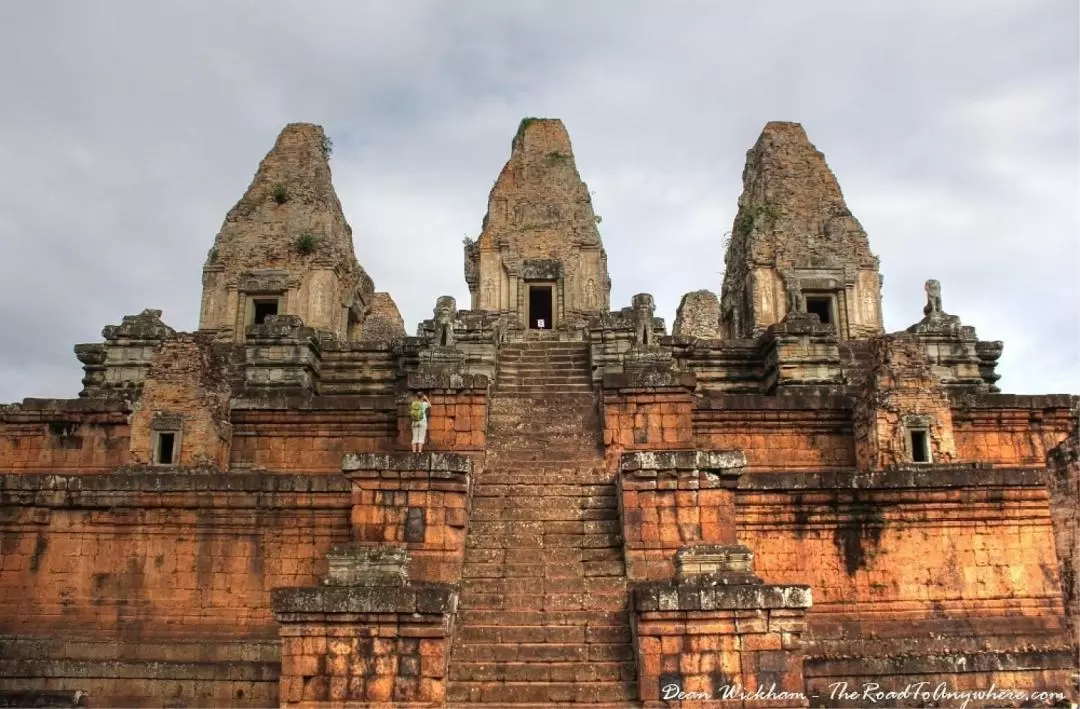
{"x": 540, "y": 310}
{"x": 820, "y": 306}
{"x": 263, "y": 309}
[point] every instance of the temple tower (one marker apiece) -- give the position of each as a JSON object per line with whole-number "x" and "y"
{"x": 286, "y": 249}
{"x": 795, "y": 246}
{"x": 539, "y": 256}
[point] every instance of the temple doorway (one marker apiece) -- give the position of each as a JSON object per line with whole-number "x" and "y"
{"x": 541, "y": 312}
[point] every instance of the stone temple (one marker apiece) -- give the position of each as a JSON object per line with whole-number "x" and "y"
{"x": 775, "y": 500}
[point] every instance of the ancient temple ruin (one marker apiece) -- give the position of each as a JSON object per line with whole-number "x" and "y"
{"x": 539, "y": 258}
{"x": 774, "y": 499}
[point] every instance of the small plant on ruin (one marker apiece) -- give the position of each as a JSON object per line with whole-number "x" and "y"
{"x": 555, "y": 157}
{"x": 598, "y": 219}
{"x": 327, "y": 147}
{"x": 211, "y": 255}
{"x": 280, "y": 193}
{"x": 467, "y": 241}
{"x": 750, "y": 216}
{"x": 306, "y": 243}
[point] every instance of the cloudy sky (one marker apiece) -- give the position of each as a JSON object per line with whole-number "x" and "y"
{"x": 128, "y": 129}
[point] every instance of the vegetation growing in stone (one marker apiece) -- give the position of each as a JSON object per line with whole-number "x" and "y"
{"x": 280, "y": 193}
{"x": 211, "y": 255}
{"x": 555, "y": 157}
{"x": 327, "y": 147}
{"x": 598, "y": 219}
{"x": 306, "y": 243}
{"x": 748, "y": 217}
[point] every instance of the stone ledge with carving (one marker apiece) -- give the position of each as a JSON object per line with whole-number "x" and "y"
{"x": 709, "y": 593}
{"x": 420, "y": 598}
{"x": 439, "y": 465}
{"x": 651, "y": 464}
{"x": 729, "y": 564}
{"x": 351, "y": 565}
{"x": 649, "y": 379}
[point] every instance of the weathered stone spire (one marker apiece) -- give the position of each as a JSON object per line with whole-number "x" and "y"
{"x": 287, "y": 239}
{"x": 795, "y": 245}
{"x": 539, "y": 226}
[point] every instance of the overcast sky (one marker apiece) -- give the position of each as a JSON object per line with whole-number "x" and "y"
{"x": 128, "y": 129}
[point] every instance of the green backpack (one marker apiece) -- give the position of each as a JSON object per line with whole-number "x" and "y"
{"x": 416, "y": 411}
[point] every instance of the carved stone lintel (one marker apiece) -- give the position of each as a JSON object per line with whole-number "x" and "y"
{"x": 734, "y": 561}
{"x": 359, "y": 566}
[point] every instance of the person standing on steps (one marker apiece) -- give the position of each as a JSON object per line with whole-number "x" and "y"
{"x": 418, "y": 412}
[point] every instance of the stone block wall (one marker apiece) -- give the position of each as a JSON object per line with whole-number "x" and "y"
{"x": 69, "y": 436}
{"x": 417, "y": 501}
{"x": 778, "y": 433}
{"x": 703, "y": 643}
{"x": 146, "y": 587}
{"x": 914, "y": 564}
{"x": 457, "y": 421}
{"x": 668, "y": 501}
{"x": 901, "y": 393}
{"x": 1064, "y": 481}
{"x": 372, "y": 645}
{"x": 654, "y": 418}
{"x": 185, "y": 391}
{"x": 1012, "y": 430}
{"x": 310, "y": 435}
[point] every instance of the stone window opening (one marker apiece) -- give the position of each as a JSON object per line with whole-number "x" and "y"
{"x": 262, "y": 308}
{"x": 166, "y": 447}
{"x": 919, "y": 445}
{"x": 822, "y": 306}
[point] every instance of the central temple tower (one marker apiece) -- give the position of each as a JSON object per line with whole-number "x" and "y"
{"x": 539, "y": 257}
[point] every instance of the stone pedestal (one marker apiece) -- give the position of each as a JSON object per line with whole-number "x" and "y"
{"x": 673, "y": 499}
{"x": 720, "y": 638}
{"x": 283, "y": 354}
{"x": 367, "y": 636}
{"x": 800, "y": 355}
{"x": 419, "y": 501}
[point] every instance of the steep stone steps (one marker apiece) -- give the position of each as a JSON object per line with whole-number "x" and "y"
{"x": 542, "y": 609}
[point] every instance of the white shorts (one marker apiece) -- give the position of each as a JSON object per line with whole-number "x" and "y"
{"x": 419, "y": 431}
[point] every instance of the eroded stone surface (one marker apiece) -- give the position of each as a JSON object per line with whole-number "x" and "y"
{"x": 794, "y": 238}
{"x": 540, "y": 227}
{"x": 698, "y": 316}
{"x": 287, "y": 239}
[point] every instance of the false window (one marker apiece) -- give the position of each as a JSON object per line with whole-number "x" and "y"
{"x": 165, "y": 447}
{"x": 919, "y": 444}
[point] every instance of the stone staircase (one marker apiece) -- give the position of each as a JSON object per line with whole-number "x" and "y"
{"x": 542, "y": 613}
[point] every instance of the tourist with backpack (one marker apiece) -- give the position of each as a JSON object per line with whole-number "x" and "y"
{"x": 418, "y": 412}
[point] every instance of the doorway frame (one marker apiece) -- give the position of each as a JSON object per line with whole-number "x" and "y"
{"x": 551, "y": 287}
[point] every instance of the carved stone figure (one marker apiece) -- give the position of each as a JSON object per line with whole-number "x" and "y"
{"x": 445, "y": 312}
{"x": 644, "y": 307}
{"x": 933, "y": 298}
{"x": 489, "y": 294}
{"x": 590, "y": 294}
{"x": 795, "y": 301}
